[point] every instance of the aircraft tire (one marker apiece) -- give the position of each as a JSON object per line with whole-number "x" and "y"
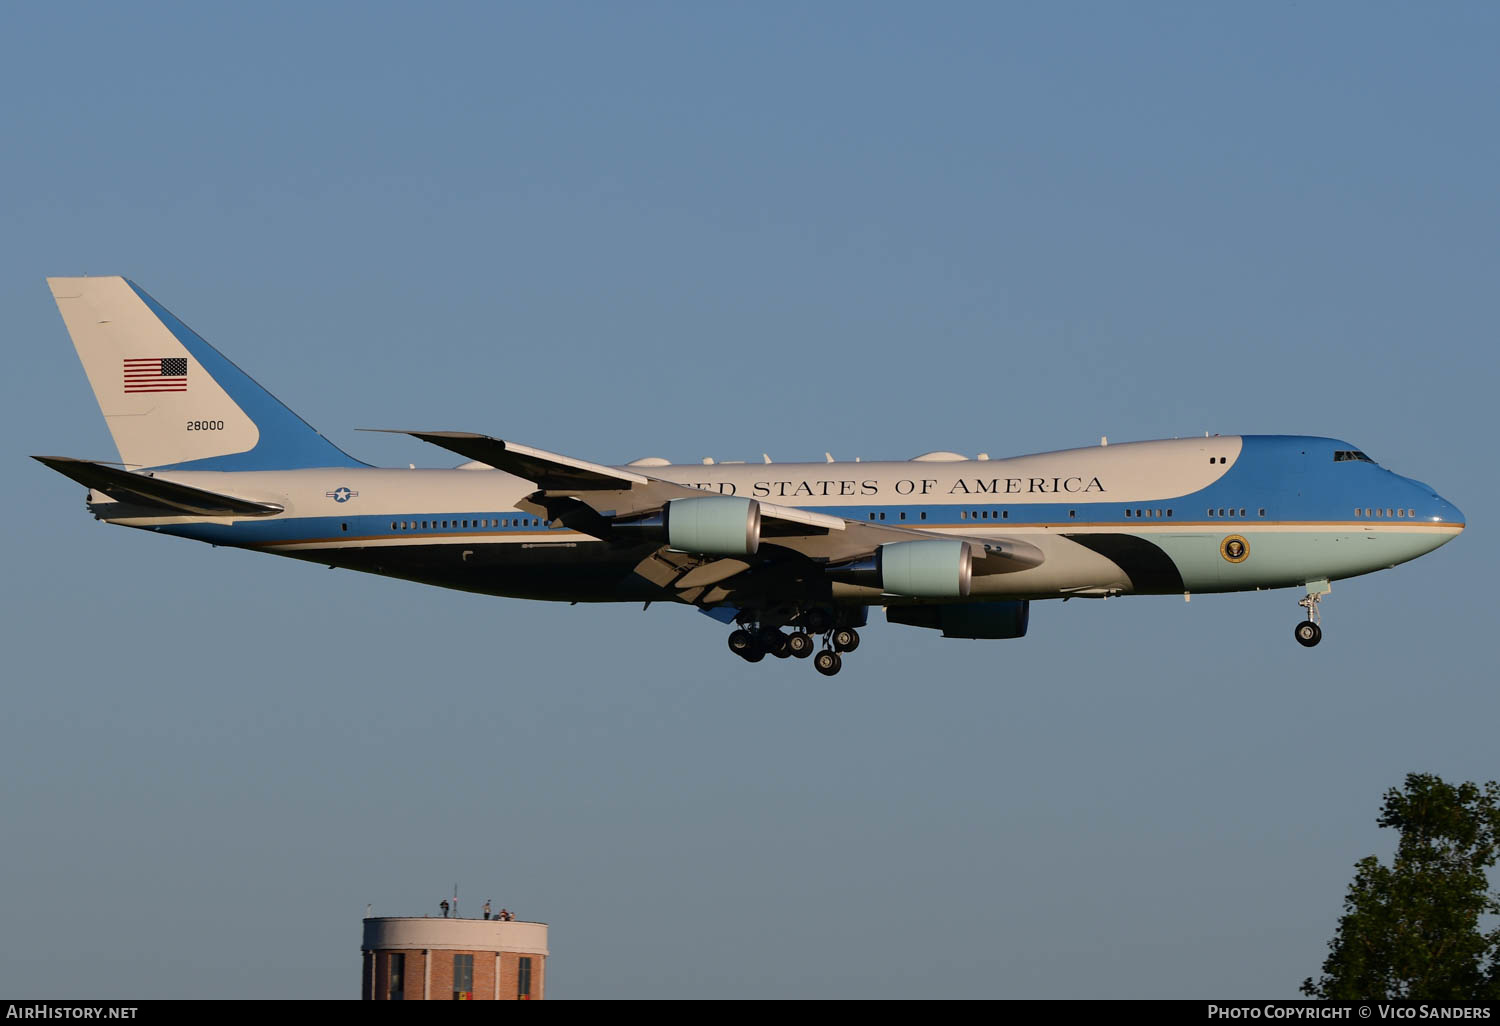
{"x": 1308, "y": 634}
{"x": 741, "y": 642}
{"x": 828, "y": 663}
{"x": 800, "y": 644}
{"x": 845, "y": 639}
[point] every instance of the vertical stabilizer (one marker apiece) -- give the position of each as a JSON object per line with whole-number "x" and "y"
{"x": 171, "y": 399}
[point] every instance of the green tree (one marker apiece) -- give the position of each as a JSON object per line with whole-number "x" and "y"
{"x": 1415, "y": 930}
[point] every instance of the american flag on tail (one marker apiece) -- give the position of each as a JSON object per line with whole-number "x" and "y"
{"x": 156, "y": 374}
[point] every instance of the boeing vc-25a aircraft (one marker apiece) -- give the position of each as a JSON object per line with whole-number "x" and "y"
{"x": 787, "y": 552}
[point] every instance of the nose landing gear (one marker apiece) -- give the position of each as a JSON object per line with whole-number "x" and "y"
{"x": 1310, "y": 631}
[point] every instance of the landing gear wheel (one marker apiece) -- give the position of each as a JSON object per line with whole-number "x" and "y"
{"x": 1309, "y": 633}
{"x": 747, "y": 646}
{"x": 845, "y": 639}
{"x": 828, "y": 663}
{"x": 799, "y": 644}
{"x": 780, "y": 646}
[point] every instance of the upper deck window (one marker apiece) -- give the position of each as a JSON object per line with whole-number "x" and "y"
{"x": 1340, "y": 455}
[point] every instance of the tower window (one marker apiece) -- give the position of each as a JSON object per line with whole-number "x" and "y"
{"x": 395, "y": 973}
{"x": 463, "y": 977}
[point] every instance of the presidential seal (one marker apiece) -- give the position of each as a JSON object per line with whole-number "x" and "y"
{"x": 1235, "y": 549}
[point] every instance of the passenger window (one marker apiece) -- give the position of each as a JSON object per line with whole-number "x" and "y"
{"x": 1411, "y": 512}
{"x": 924, "y": 516}
{"x": 1005, "y": 514}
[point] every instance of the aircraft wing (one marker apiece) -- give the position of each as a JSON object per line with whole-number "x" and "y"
{"x": 615, "y": 494}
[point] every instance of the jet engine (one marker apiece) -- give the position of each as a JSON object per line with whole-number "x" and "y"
{"x": 716, "y": 525}
{"x": 933, "y": 568}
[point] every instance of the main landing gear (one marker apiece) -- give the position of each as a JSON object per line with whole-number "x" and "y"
{"x": 753, "y": 644}
{"x": 1310, "y": 631}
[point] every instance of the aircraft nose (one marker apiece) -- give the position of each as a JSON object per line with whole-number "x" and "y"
{"x": 1447, "y": 513}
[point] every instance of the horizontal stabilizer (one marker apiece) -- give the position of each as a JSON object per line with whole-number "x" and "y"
{"x": 152, "y": 492}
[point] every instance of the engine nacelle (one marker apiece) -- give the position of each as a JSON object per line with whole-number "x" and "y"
{"x": 932, "y": 568}
{"x": 985, "y": 620}
{"x": 718, "y": 525}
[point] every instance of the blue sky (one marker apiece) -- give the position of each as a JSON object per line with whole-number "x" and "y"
{"x": 720, "y": 230}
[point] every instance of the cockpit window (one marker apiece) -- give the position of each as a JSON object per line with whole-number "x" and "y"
{"x": 1340, "y": 455}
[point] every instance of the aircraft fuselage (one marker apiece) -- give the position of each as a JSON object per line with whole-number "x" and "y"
{"x": 1225, "y": 513}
